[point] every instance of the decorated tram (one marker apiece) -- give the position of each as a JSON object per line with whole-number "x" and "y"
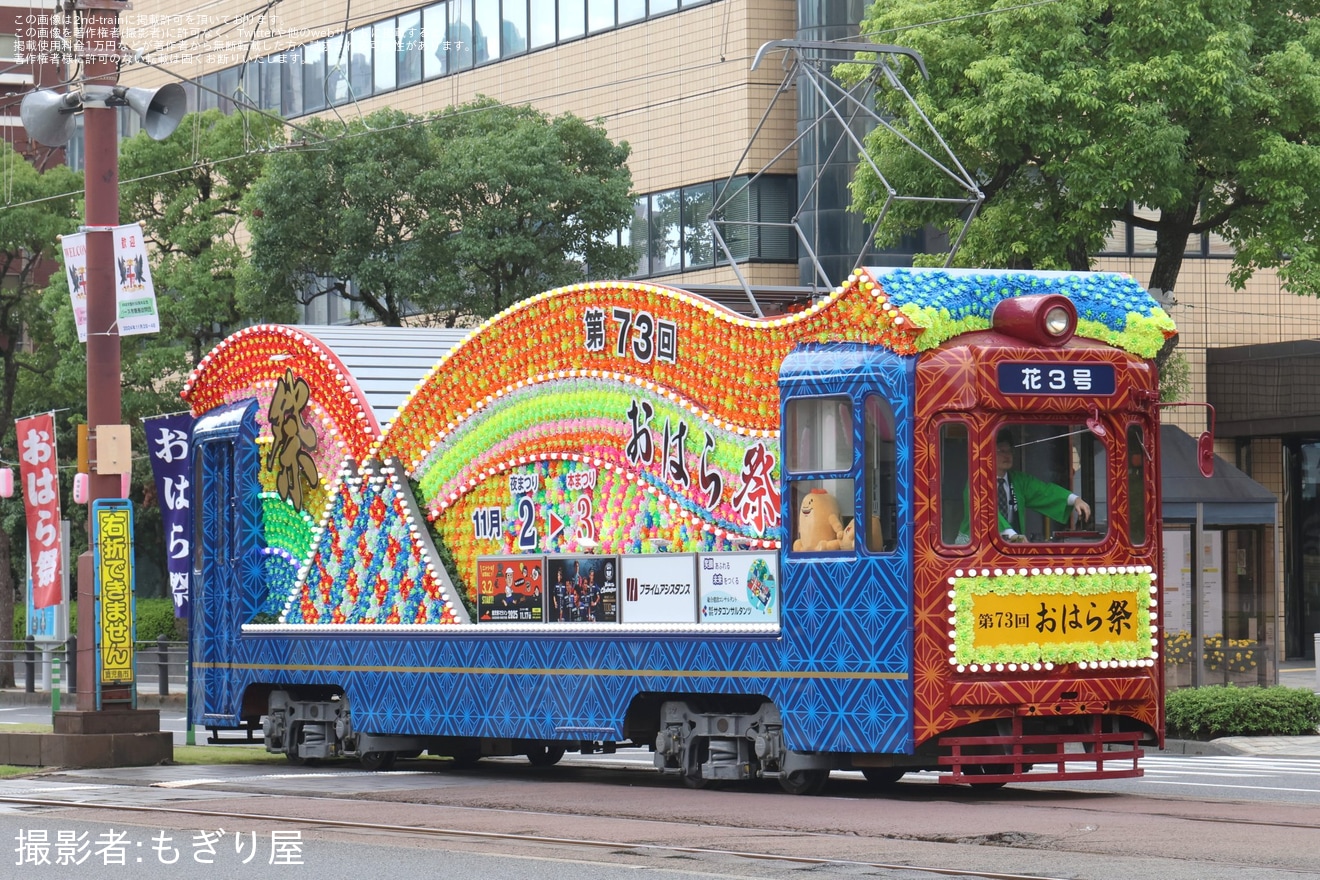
{"x": 910, "y": 526}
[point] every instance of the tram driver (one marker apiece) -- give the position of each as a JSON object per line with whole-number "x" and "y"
{"x": 1018, "y": 492}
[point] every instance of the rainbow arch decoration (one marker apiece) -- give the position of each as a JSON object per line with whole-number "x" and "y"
{"x": 618, "y": 417}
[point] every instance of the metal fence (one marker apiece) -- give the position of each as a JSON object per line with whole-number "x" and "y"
{"x": 162, "y": 666}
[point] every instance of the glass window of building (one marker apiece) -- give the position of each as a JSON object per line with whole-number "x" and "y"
{"x": 360, "y": 59}
{"x": 435, "y": 40}
{"x": 460, "y": 35}
{"x": 660, "y": 6}
{"x": 336, "y": 69}
{"x": 313, "y": 76}
{"x": 666, "y": 232}
{"x": 291, "y": 84}
{"x": 698, "y": 244}
{"x": 631, "y": 10}
{"x": 409, "y": 47}
{"x": 637, "y": 235}
{"x": 734, "y": 216}
{"x": 485, "y": 31}
{"x": 513, "y": 27}
{"x": 600, "y": 15}
{"x": 272, "y": 89}
{"x": 8, "y": 47}
{"x": 385, "y": 72}
{"x": 572, "y": 19}
{"x": 541, "y": 27}
{"x": 227, "y": 84}
{"x": 207, "y": 88}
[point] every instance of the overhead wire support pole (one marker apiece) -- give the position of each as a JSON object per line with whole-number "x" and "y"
{"x": 805, "y": 62}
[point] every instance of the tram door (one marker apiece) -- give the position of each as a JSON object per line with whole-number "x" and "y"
{"x": 846, "y": 466}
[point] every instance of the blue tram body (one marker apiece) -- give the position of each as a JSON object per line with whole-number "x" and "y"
{"x": 830, "y": 682}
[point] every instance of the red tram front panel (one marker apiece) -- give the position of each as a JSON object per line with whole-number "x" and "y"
{"x": 960, "y": 389}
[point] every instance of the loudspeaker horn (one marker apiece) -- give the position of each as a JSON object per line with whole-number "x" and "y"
{"x": 161, "y": 109}
{"x": 49, "y": 117}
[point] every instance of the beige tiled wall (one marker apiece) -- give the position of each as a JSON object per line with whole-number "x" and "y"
{"x": 678, "y": 89}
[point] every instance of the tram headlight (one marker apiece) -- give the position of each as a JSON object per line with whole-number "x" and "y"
{"x": 1038, "y": 319}
{"x": 1057, "y": 321}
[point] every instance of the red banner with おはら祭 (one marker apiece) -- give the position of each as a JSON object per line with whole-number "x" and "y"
{"x": 41, "y": 498}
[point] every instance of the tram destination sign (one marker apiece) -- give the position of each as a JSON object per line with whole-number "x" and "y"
{"x": 1055, "y": 378}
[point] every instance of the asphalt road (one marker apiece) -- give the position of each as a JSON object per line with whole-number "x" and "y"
{"x": 1190, "y": 818}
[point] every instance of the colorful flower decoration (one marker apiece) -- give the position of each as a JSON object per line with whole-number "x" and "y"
{"x": 1111, "y": 308}
{"x": 367, "y": 564}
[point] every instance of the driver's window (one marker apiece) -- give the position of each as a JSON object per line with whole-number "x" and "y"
{"x": 1050, "y": 483}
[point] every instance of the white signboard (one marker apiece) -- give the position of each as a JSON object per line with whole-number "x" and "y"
{"x": 1175, "y": 596}
{"x": 739, "y": 587}
{"x": 135, "y": 297}
{"x": 659, "y": 588}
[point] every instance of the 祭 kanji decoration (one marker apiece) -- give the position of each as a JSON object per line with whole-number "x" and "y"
{"x": 41, "y": 497}
{"x": 290, "y": 455}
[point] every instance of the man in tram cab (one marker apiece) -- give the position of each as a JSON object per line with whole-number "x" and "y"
{"x": 1017, "y": 492}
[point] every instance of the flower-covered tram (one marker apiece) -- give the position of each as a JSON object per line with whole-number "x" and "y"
{"x": 621, "y": 514}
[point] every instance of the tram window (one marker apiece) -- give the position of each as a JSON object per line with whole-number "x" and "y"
{"x": 1050, "y": 483}
{"x": 1136, "y": 477}
{"x": 823, "y": 519}
{"x": 954, "y": 468}
{"x": 880, "y": 475}
{"x": 819, "y": 434}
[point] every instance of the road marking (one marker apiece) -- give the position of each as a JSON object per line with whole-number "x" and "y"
{"x": 1221, "y": 785}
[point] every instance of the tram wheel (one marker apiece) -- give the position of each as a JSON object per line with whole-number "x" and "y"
{"x": 882, "y": 776}
{"x": 374, "y": 761}
{"x": 544, "y": 756}
{"x": 804, "y": 781}
{"x": 465, "y": 760}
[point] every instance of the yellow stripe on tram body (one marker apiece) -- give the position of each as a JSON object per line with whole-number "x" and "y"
{"x": 608, "y": 673}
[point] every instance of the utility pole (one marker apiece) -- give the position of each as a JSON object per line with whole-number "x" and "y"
{"x": 100, "y": 50}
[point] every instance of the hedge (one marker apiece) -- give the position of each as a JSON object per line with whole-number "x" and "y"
{"x": 1205, "y": 713}
{"x": 155, "y": 617}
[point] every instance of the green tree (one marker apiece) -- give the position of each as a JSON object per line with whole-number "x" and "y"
{"x": 40, "y": 207}
{"x": 445, "y": 217}
{"x": 1072, "y": 112}
{"x": 187, "y": 193}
